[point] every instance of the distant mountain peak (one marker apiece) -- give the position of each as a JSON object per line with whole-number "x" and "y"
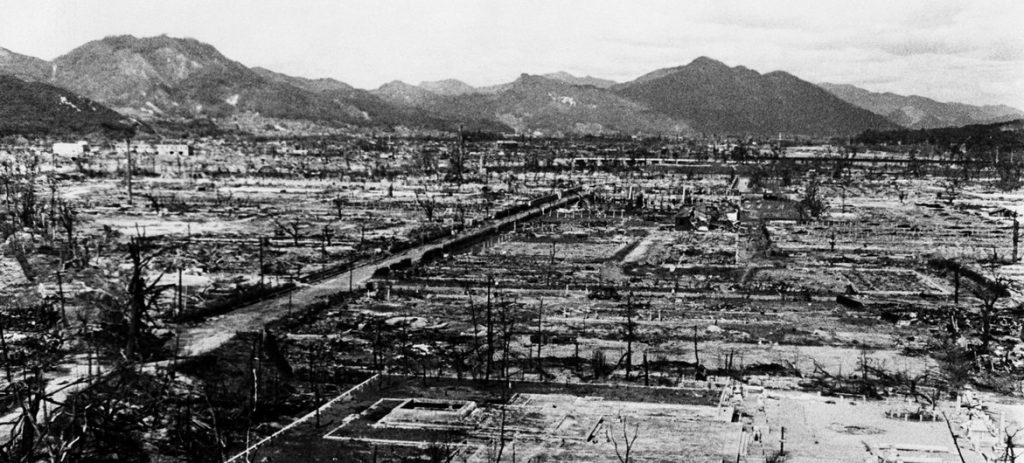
{"x": 156, "y": 75}
{"x": 402, "y": 93}
{"x": 396, "y": 83}
{"x": 717, "y": 98}
{"x": 780, "y": 75}
{"x": 444, "y": 81}
{"x": 183, "y": 77}
{"x": 533, "y": 81}
{"x": 127, "y": 41}
{"x": 576, "y": 80}
{"x": 705, "y": 61}
{"x": 447, "y": 87}
{"x": 559, "y": 75}
{"x": 700, "y": 64}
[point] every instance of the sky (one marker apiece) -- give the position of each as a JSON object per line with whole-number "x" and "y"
{"x": 965, "y": 51}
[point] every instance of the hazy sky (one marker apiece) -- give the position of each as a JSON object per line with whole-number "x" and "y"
{"x": 968, "y": 51}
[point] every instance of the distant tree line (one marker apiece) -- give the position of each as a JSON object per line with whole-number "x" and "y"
{"x": 1003, "y": 136}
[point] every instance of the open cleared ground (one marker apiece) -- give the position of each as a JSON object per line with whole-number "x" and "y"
{"x": 695, "y": 299}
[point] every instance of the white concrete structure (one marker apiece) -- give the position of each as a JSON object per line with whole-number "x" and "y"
{"x": 173, "y": 149}
{"x": 71, "y": 149}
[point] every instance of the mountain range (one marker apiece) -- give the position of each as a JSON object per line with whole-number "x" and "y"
{"x": 918, "y": 112}
{"x": 723, "y": 99}
{"x": 537, "y": 103}
{"x": 173, "y": 78}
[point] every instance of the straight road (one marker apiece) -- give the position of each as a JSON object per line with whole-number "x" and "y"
{"x": 214, "y": 332}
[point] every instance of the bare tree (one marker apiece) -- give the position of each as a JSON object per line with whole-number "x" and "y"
{"x": 811, "y": 205}
{"x": 24, "y": 199}
{"x": 143, "y": 295}
{"x": 507, "y": 327}
{"x": 32, "y": 437}
{"x": 951, "y": 188}
{"x": 442, "y": 450}
{"x": 990, "y": 296}
{"x": 625, "y": 453}
{"x": 1015, "y": 238}
{"x": 599, "y": 364}
{"x": 629, "y": 332}
{"x": 761, "y": 241}
{"x": 68, "y": 218}
{"x": 293, "y": 228}
{"x": 429, "y": 205}
{"x": 339, "y": 206}
{"x": 1009, "y": 447}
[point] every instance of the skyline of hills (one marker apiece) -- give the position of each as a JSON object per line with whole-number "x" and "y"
{"x": 24, "y": 67}
{"x": 163, "y": 76}
{"x": 537, "y": 103}
{"x": 918, "y": 112}
{"x": 723, "y": 99}
{"x": 166, "y": 77}
{"x": 35, "y": 108}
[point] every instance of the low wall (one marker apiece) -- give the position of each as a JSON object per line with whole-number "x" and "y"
{"x": 343, "y": 397}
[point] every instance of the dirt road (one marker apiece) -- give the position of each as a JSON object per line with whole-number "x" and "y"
{"x": 213, "y": 332}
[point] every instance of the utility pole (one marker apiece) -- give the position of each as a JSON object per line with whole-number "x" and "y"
{"x": 629, "y": 334}
{"x": 647, "y": 370}
{"x": 3, "y": 352}
{"x": 551, "y": 265}
{"x": 956, "y": 284}
{"x": 262, "y": 243}
{"x": 540, "y": 333}
{"x": 1016, "y": 236}
{"x": 952, "y": 434}
{"x": 696, "y": 354}
{"x": 60, "y": 292}
{"x": 490, "y": 332}
{"x": 179, "y": 288}
{"x": 128, "y": 152}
